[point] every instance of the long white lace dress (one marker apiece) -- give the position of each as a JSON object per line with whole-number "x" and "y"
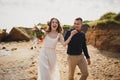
{"x": 47, "y": 68}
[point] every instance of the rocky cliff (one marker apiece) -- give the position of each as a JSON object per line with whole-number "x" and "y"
{"x": 104, "y": 34}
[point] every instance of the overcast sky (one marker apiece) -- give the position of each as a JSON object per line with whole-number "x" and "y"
{"x": 30, "y": 12}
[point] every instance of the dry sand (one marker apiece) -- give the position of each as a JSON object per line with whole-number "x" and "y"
{"x": 19, "y": 62}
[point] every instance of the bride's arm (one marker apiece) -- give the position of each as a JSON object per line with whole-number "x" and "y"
{"x": 45, "y": 33}
{"x": 63, "y": 42}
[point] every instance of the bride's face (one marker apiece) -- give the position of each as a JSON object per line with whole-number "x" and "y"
{"x": 54, "y": 24}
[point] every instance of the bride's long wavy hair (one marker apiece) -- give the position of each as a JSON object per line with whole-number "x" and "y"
{"x": 59, "y": 28}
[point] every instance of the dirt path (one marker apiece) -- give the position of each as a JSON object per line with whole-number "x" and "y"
{"x": 21, "y": 63}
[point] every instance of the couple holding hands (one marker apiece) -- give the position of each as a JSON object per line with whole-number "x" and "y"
{"x": 75, "y": 41}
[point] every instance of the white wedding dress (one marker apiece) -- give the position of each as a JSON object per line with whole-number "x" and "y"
{"x": 47, "y": 68}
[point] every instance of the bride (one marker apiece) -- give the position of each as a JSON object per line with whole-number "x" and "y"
{"x": 47, "y": 68}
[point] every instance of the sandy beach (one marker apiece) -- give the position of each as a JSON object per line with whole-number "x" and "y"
{"x": 18, "y": 61}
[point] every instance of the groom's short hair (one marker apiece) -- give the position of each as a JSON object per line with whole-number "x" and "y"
{"x": 79, "y": 18}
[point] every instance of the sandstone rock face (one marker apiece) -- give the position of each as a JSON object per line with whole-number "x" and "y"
{"x": 2, "y": 34}
{"x": 18, "y": 33}
{"x": 104, "y": 37}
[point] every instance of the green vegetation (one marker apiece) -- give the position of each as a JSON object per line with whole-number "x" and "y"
{"x": 107, "y": 19}
{"x": 42, "y": 25}
{"x": 66, "y": 27}
{"x": 104, "y": 22}
{"x": 86, "y": 22}
{"x": 117, "y": 17}
{"x": 108, "y": 15}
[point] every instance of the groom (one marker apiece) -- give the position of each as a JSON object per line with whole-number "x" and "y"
{"x": 74, "y": 51}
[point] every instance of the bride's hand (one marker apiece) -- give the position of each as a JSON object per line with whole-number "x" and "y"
{"x": 74, "y": 32}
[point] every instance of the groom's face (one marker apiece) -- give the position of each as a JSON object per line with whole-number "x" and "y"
{"x": 77, "y": 24}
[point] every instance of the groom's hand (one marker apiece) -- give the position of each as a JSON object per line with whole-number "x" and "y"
{"x": 88, "y": 61}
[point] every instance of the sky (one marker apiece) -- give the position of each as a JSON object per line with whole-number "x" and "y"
{"x": 29, "y": 12}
